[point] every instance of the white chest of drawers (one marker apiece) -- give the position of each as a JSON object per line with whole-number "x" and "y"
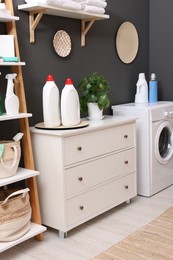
{"x": 85, "y": 172}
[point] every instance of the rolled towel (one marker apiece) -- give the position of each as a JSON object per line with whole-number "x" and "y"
{"x": 98, "y": 3}
{"x": 94, "y": 9}
{"x": 69, "y": 4}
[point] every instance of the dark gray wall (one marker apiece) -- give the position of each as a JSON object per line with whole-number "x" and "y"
{"x": 161, "y": 46}
{"x": 99, "y": 54}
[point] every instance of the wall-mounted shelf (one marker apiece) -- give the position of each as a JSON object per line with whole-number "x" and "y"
{"x": 37, "y": 10}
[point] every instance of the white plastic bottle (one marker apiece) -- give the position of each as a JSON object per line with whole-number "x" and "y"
{"x": 142, "y": 89}
{"x": 70, "y": 106}
{"x": 51, "y": 103}
{"x": 11, "y": 100}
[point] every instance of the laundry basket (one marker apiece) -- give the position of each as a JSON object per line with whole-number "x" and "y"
{"x": 15, "y": 214}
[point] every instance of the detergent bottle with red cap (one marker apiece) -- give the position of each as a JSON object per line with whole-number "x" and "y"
{"x": 70, "y": 106}
{"x": 51, "y": 103}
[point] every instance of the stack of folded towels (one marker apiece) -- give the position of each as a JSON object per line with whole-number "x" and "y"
{"x": 94, "y": 6}
{"x": 90, "y": 6}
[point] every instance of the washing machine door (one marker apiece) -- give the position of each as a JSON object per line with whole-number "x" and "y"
{"x": 164, "y": 142}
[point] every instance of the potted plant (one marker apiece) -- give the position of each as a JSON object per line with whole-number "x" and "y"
{"x": 94, "y": 95}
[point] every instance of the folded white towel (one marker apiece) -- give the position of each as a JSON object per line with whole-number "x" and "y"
{"x": 35, "y": 1}
{"x": 94, "y": 9}
{"x": 69, "y": 4}
{"x": 49, "y": 2}
{"x": 79, "y": 1}
{"x": 98, "y": 3}
{"x": 58, "y": 3}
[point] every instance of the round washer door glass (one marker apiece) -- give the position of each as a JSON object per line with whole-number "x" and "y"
{"x": 164, "y": 143}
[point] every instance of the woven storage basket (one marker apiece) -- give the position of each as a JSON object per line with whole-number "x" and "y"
{"x": 62, "y": 43}
{"x": 10, "y": 158}
{"x": 15, "y": 214}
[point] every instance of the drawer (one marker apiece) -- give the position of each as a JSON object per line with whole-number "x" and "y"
{"x": 89, "y": 145}
{"x": 94, "y": 202}
{"x": 102, "y": 169}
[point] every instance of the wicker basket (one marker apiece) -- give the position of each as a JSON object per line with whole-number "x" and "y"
{"x": 15, "y": 214}
{"x": 62, "y": 43}
{"x": 10, "y": 157}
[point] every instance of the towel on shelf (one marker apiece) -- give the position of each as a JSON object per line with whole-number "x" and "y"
{"x": 35, "y": 1}
{"x": 79, "y": 1}
{"x": 69, "y": 4}
{"x": 94, "y": 9}
{"x": 49, "y": 2}
{"x": 58, "y": 3}
{"x": 98, "y": 3}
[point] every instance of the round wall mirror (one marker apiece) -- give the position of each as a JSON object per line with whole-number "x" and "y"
{"x": 127, "y": 42}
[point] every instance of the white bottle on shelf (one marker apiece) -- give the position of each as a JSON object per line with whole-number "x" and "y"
{"x": 11, "y": 100}
{"x": 70, "y": 106}
{"x": 51, "y": 103}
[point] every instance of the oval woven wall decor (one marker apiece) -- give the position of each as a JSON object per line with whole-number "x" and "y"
{"x": 127, "y": 42}
{"x": 62, "y": 43}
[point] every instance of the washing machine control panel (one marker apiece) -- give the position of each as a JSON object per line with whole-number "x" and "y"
{"x": 168, "y": 113}
{"x": 161, "y": 112}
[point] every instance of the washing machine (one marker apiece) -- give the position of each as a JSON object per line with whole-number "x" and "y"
{"x": 154, "y": 127}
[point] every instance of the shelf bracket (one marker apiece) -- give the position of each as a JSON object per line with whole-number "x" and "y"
{"x": 34, "y": 18}
{"x": 85, "y": 28}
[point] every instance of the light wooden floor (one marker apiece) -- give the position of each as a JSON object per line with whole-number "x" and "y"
{"x": 95, "y": 236}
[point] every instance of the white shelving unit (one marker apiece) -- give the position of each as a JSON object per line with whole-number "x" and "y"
{"x": 27, "y": 173}
{"x": 37, "y": 10}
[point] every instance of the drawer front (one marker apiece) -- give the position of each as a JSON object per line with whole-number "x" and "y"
{"x": 94, "y": 202}
{"x": 103, "y": 169}
{"x": 89, "y": 145}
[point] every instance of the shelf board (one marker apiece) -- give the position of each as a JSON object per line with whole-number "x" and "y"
{"x": 22, "y": 174}
{"x": 5, "y": 117}
{"x": 35, "y": 230}
{"x": 10, "y": 63}
{"x": 8, "y": 18}
{"x": 57, "y": 11}
{"x": 37, "y": 10}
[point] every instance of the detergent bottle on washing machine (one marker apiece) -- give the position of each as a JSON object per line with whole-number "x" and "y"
{"x": 142, "y": 89}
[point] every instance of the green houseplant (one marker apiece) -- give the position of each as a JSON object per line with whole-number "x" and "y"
{"x": 94, "y": 91}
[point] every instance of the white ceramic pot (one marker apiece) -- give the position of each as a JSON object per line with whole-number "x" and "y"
{"x": 94, "y": 112}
